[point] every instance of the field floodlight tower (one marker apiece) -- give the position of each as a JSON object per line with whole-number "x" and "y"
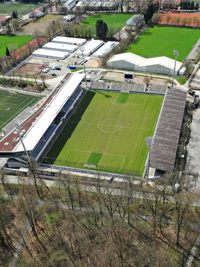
{"x": 176, "y": 54}
{"x": 149, "y": 142}
{"x": 84, "y": 67}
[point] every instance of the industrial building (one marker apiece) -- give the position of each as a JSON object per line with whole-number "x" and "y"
{"x": 69, "y": 4}
{"x": 69, "y": 40}
{"x": 135, "y": 22}
{"x": 60, "y": 47}
{"x": 54, "y": 54}
{"x": 98, "y": 5}
{"x": 90, "y": 47}
{"x": 105, "y": 49}
{"x": 161, "y": 65}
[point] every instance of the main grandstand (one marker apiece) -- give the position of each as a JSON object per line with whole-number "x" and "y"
{"x": 49, "y": 123}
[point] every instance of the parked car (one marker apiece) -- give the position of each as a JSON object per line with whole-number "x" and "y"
{"x": 46, "y": 70}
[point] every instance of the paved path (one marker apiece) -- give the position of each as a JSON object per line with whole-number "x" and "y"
{"x": 193, "y": 148}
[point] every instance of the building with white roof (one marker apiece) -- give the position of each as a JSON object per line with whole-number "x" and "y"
{"x": 36, "y": 132}
{"x": 161, "y": 65}
{"x": 69, "y": 40}
{"x": 105, "y": 49}
{"x": 47, "y": 53}
{"x": 90, "y": 47}
{"x": 69, "y": 4}
{"x": 60, "y": 47}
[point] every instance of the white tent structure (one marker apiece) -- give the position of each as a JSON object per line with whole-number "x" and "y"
{"x": 60, "y": 47}
{"x": 47, "y": 53}
{"x": 161, "y": 65}
{"x": 90, "y": 47}
{"x": 37, "y": 130}
{"x": 69, "y": 40}
{"x": 105, "y": 49}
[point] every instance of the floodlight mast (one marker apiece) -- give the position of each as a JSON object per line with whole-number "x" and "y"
{"x": 24, "y": 147}
{"x": 149, "y": 142}
{"x": 83, "y": 58}
{"x": 176, "y": 54}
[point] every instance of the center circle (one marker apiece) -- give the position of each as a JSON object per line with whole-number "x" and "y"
{"x": 109, "y": 126}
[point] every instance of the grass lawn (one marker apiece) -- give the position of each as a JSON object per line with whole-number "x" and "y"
{"x": 181, "y": 79}
{"x": 22, "y": 9}
{"x": 161, "y": 41}
{"x": 107, "y": 132}
{"x": 115, "y": 21}
{"x": 12, "y": 104}
{"x": 16, "y": 41}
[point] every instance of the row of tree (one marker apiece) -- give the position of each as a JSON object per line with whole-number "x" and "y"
{"x": 189, "y": 5}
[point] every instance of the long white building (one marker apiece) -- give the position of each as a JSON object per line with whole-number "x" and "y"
{"x": 69, "y": 40}
{"x": 60, "y": 47}
{"x": 90, "y": 47}
{"x": 161, "y": 65}
{"x": 47, "y": 53}
{"x": 105, "y": 49}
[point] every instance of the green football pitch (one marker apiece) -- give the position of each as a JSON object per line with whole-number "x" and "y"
{"x": 12, "y": 104}
{"x": 161, "y": 41}
{"x": 15, "y": 41}
{"x": 114, "y": 21}
{"x": 107, "y": 132}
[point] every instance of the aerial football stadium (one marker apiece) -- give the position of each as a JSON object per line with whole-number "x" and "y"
{"x": 105, "y": 130}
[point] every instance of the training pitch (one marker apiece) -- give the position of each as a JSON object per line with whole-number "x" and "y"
{"x": 12, "y": 42}
{"x": 114, "y": 21}
{"x": 161, "y": 41}
{"x": 12, "y": 104}
{"x": 21, "y": 8}
{"x": 107, "y": 132}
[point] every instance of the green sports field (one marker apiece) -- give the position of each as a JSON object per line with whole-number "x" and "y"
{"x": 15, "y": 41}
{"x": 22, "y": 9}
{"x": 161, "y": 41}
{"x": 107, "y": 132}
{"x": 12, "y": 104}
{"x": 114, "y": 21}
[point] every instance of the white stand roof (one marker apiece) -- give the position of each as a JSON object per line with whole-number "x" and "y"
{"x": 50, "y": 53}
{"x": 37, "y": 130}
{"x": 69, "y": 40}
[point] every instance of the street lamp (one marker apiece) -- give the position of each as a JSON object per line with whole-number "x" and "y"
{"x": 176, "y": 54}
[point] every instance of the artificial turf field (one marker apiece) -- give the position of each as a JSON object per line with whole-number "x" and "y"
{"x": 107, "y": 132}
{"x": 12, "y": 104}
{"x": 161, "y": 41}
{"x": 15, "y": 41}
{"x": 114, "y": 21}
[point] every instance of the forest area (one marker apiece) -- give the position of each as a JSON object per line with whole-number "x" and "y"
{"x": 72, "y": 224}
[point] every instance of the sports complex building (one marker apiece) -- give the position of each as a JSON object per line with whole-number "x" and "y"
{"x": 109, "y": 134}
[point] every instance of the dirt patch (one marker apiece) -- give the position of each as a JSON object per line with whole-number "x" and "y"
{"x": 30, "y": 69}
{"x": 94, "y": 63}
{"x": 179, "y": 19}
{"x": 40, "y": 26}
